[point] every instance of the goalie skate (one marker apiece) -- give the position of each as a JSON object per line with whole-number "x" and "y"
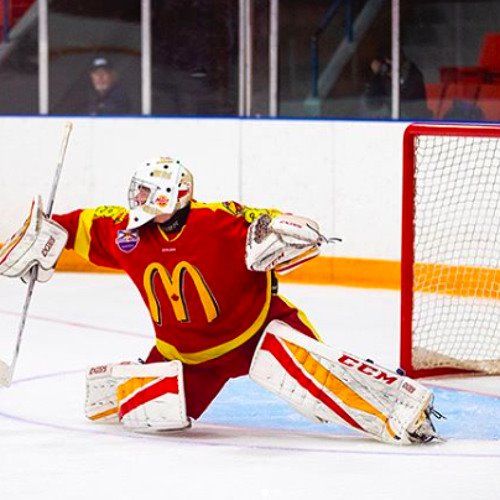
{"x": 424, "y": 430}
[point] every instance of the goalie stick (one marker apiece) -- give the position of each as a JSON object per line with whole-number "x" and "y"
{"x": 6, "y": 370}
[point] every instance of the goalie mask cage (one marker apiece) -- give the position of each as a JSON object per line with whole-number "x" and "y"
{"x": 450, "y": 284}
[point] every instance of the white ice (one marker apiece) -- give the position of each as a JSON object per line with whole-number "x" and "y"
{"x": 77, "y": 320}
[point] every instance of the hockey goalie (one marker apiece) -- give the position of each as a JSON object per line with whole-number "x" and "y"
{"x": 207, "y": 274}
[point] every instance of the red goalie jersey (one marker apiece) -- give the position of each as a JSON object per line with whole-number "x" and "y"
{"x": 208, "y": 309}
{"x": 202, "y": 299}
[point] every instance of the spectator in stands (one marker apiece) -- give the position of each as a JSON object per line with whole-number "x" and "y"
{"x": 108, "y": 95}
{"x": 413, "y": 98}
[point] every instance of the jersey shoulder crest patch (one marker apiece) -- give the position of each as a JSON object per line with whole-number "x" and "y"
{"x": 234, "y": 208}
{"x": 111, "y": 212}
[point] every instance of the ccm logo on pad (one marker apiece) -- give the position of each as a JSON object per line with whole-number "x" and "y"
{"x": 367, "y": 369}
{"x": 50, "y": 243}
{"x": 96, "y": 370}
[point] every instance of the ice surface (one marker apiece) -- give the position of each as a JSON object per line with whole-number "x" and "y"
{"x": 248, "y": 445}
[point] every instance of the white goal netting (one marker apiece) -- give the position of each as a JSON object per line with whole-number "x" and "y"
{"x": 456, "y": 288}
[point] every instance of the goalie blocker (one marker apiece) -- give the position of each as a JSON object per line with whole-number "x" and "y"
{"x": 327, "y": 385}
{"x": 39, "y": 243}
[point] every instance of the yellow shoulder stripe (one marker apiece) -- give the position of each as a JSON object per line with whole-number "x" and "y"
{"x": 111, "y": 212}
{"x": 82, "y": 239}
{"x": 234, "y": 208}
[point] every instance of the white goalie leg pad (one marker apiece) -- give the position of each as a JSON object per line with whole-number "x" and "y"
{"x": 332, "y": 386}
{"x": 101, "y": 404}
{"x": 39, "y": 242}
{"x": 281, "y": 243}
{"x": 151, "y": 396}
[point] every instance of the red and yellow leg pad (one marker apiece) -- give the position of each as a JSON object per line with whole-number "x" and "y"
{"x": 329, "y": 385}
{"x": 143, "y": 397}
{"x": 151, "y": 396}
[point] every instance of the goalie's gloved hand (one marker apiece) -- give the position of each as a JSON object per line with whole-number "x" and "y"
{"x": 282, "y": 242}
{"x": 38, "y": 244}
{"x": 299, "y": 230}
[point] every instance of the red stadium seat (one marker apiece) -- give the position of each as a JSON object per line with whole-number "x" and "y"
{"x": 487, "y": 70}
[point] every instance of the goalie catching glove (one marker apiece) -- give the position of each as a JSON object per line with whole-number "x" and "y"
{"x": 282, "y": 243}
{"x": 39, "y": 243}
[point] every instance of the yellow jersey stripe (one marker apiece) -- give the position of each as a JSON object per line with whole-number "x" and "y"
{"x": 82, "y": 238}
{"x": 249, "y": 213}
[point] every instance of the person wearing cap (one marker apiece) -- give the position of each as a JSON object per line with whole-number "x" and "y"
{"x": 108, "y": 95}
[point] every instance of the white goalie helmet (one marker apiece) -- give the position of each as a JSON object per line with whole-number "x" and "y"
{"x": 160, "y": 186}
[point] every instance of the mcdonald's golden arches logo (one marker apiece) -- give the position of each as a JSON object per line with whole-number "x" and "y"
{"x": 174, "y": 287}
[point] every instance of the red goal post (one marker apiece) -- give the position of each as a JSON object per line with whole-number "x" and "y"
{"x": 450, "y": 278}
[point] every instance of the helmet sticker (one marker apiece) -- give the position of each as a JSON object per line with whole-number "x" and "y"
{"x": 161, "y": 201}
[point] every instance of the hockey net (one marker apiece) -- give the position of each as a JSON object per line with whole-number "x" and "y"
{"x": 450, "y": 283}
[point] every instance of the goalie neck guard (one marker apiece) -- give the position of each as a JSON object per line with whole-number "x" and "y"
{"x": 160, "y": 186}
